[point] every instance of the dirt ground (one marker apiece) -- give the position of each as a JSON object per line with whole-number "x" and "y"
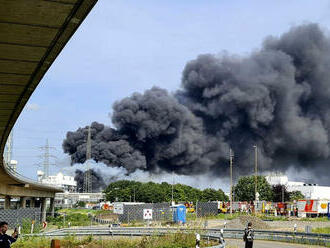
{"x": 240, "y": 223}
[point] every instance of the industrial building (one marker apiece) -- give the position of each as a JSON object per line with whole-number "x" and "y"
{"x": 310, "y": 191}
{"x": 68, "y": 200}
{"x": 67, "y": 183}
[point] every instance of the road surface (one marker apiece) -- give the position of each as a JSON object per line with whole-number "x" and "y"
{"x": 234, "y": 243}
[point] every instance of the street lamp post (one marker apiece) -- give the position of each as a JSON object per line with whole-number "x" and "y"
{"x": 255, "y": 171}
{"x": 231, "y": 181}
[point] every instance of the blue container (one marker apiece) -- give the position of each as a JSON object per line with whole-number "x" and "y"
{"x": 179, "y": 214}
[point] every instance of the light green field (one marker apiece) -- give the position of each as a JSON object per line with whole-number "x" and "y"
{"x": 322, "y": 230}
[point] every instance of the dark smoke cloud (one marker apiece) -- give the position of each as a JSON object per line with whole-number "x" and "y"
{"x": 97, "y": 181}
{"x": 277, "y": 98}
{"x": 108, "y": 146}
{"x": 153, "y": 132}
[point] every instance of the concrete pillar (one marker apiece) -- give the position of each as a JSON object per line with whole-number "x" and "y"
{"x": 22, "y": 202}
{"x": 7, "y": 202}
{"x": 43, "y": 208}
{"x": 33, "y": 202}
{"x": 52, "y": 206}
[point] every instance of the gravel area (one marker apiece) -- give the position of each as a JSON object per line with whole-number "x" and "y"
{"x": 288, "y": 225}
{"x": 240, "y": 223}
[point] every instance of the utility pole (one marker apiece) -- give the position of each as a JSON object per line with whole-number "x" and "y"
{"x": 255, "y": 171}
{"x": 172, "y": 187}
{"x": 180, "y": 144}
{"x": 231, "y": 180}
{"x": 88, "y": 176}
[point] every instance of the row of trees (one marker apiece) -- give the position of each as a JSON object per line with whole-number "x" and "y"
{"x": 244, "y": 190}
{"x": 126, "y": 191}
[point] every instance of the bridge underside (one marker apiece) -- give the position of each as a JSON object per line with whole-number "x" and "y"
{"x": 32, "y": 34}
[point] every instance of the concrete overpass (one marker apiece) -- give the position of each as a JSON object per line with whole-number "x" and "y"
{"x": 32, "y": 34}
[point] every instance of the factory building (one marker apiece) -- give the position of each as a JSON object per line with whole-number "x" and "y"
{"x": 68, "y": 200}
{"x": 67, "y": 183}
{"x": 310, "y": 191}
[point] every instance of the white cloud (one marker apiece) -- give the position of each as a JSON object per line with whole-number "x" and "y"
{"x": 111, "y": 174}
{"x": 32, "y": 106}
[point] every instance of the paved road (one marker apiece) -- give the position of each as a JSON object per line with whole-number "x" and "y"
{"x": 267, "y": 244}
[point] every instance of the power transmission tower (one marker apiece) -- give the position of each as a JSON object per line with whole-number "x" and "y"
{"x": 46, "y": 158}
{"x": 88, "y": 175}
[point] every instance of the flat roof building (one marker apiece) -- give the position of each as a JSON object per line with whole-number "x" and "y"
{"x": 67, "y": 183}
{"x": 310, "y": 191}
{"x": 68, "y": 200}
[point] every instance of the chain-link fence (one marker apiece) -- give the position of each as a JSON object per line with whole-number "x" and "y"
{"x": 204, "y": 209}
{"x": 135, "y": 213}
{"x": 15, "y": 217}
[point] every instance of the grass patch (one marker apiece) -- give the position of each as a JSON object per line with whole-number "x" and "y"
{"x": 81, "y": 211}
{"x": 76, "y": 219}
{"x": 322, "y": 230}
{"x": 177, "y": 240}
{"x": 321, "y": 219}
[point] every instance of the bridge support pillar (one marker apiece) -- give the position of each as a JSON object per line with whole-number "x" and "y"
{"x": 43, "y": 208}
{"x": 32, "y": 202}
{"x": 7, "y": 202}
{"x": 52, "y": 206}
{"x": 22, "y": 202}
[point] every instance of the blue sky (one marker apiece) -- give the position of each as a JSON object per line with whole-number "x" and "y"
{"x": 128, "y": 46}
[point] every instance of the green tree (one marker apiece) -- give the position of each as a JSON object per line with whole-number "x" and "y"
{"x": 81, "y": 204}
{"x": 280, "y": 193}
{"x": 154, "y": 192}
{"x": 296, "y": 195}
{"x": 213, "y": 195}
{"x": 244, "y": 190}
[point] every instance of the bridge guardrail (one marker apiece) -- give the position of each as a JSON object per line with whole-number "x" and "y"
{"x": 19, "y": 176}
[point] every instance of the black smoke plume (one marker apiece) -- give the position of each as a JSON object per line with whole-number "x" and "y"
{"x": 97, "y": 181}
{"x": 278, "y": 98}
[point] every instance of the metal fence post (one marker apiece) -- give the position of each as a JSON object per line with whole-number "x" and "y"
{"x": 196, "y": 209}
{"x": 128, "y": 216}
